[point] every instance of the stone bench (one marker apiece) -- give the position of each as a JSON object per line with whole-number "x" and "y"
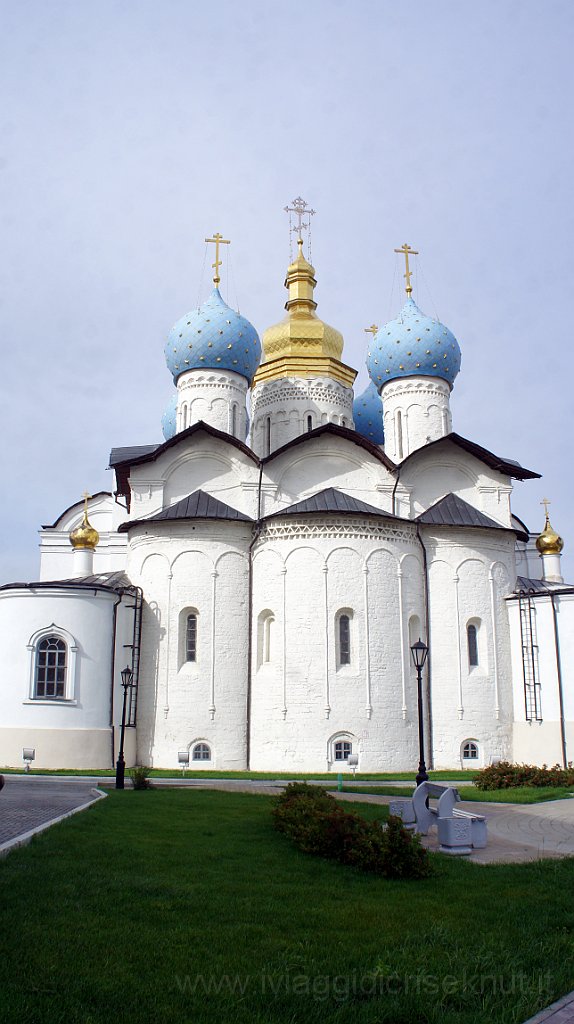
{"x": 459, "y": 832}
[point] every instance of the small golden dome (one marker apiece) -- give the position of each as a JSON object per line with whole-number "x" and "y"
{"x": 302, "y": 344}
{"x": 84, "y": 535}
{"x": 549, "y": 542}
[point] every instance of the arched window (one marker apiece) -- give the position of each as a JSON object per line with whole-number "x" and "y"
{"x": 469, "y": 751}
{"x": 50, "y": 670}
{"x": 309, "y": 423}
{"x": 342, "y": 749}
{"x": 265, "y": 637}
{"x": 184, "y": 416}
{"x": 268, "y": 436}
{"x": 188, "y": 640}
{"x": 343, "y": 637}
{"x": 472, "y": 640}
{"x": 201, "y": 752}
{"x": 234, "y": 419}
{"x": 191, "y": 637}
{"x": 399, "y": 425}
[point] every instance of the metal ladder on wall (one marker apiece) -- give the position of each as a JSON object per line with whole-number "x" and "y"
{"x": 135, "y": 666}
{"x": 530, "y": 660}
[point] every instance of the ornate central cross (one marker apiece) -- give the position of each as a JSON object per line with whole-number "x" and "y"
{"x": 546, "y": 503}
{"x": 218, "y": 240}
{"x": 300, "y": 210}
{"x": 371, "y": 330}
{"x": 407, "y": 251}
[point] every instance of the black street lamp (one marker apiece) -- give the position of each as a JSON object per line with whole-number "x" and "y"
{"x": 127, "y": 679}
{"x": 419, "y": 652}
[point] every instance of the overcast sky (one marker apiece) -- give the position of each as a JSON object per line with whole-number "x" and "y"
{"x": 130, "y": 130}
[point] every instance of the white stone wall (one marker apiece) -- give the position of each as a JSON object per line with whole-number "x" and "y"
{"x": 217, "y": 397}
{"x": 416, "y": 410}
{"x": 540, "y": 742}
{"x": 470, "y": 575}
{"x": 283, "y": 409}
{"x": 201, "y": 569}
{"x": 447, "y": 469}
{"x": 74, "y": 732}
{"x": 306, "y": 572}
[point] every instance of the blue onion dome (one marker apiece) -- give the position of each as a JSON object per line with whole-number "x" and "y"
{"x": 368, "y": 415}
{"x": 413, "y": 345}
{"x": 213, "y": 336}
{"x": 168, "y": 420}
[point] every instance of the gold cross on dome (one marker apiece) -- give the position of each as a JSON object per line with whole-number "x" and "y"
{"x": 371, "y": 330}
{"x": 407, "y": 251}
{"x": 86, "y": 498}
{"x": 546, "y": 503}
{"x": 218, "y": 240}
{"x": 301, "y": 210}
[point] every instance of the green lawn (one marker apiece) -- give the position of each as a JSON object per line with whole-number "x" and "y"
{"x": 170, "y": 773}
{"x": 516, "y": 795}
{"x": 186, "y": 907}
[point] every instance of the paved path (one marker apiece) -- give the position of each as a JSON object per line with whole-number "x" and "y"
{"x": 29, "y": 804}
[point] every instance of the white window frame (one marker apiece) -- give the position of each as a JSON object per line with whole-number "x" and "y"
{"x": 482, "y": 666}
{"x": 71, "y": 665}
{"x": 470, "y": 760}
{"x": 265, "y": 638}
{"x": 201, "y": 760}
{"x": 341, "y": 737}
{"x": 182, "y": 638}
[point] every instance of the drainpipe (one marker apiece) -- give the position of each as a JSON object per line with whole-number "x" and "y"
{"x": 559, "y": 677}
{"x": 429, "y": 659}
{"x": 256, "y": 533}
{"x": 113, "y": 672}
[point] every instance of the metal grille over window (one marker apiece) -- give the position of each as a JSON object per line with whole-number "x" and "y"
{"x": 472, "y": 638}
{"x": 201, "y": 752}
{"x": 343, "y": 750}
{"x": 344, "y": 640}
{"x": 51, "y": 667}
{"x": 191, "y": 638}
{"x": 530, "y": 669}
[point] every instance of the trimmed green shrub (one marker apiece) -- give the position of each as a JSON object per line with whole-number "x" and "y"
{"x": 506, "y": 775}
{"x": 317, "y": 824}
{"x": 140, "y": 776}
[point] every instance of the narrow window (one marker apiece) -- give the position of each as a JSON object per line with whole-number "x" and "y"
{"x": 470, "y": 751}
{"x": 309, "y": 424}
{"x": 234, "y": 419}
{"x": 267, "y": 634}
{"x": 472, "y": 638}
{"x": 51, "y": 660}
{"x": 268, "y": 436}
{"x": 343, "y": 750}
{"x": 201, "y": 752}
{"x": 191, "y": 638}
{"x": 184, "y": 416}
{"x": 344, "y": 640}
{"x": 399, "y": 434}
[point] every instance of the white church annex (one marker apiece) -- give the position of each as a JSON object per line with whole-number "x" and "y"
{"x": 265, "y": 569}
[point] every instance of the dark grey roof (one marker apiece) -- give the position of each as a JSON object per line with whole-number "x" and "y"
{"x": 198, "y": 505}
{"x": 331, "y": 500}
{"x": 525, "y": 585}
{"x": 116, "y": 581}
{"x": 453, "y": 511}
{"x": 507, "y": 466}
{"x": 131, "y": 453}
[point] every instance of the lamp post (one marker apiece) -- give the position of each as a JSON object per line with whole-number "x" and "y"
{"x": 419, "y": 653}
{"x": 127, "y": 679}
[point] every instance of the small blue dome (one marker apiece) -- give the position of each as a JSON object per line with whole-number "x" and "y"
{"x": 368, "y": 415}
{"x": 168, "y": 420}
{"x": 413, "y": 345}
{"x": 213, "y": 336}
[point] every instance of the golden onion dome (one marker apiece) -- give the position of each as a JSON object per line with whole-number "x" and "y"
{"x": 549, "y": 542}
{"x": 302, "y": 344}
{"x": 84, "y": 535}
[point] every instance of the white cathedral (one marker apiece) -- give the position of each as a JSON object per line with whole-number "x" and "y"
{"x": 264, "y": 573}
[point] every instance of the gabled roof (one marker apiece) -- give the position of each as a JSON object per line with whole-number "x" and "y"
{"x": 507, "y": 466}
{"x": 331, "y": 500}
{"x": 198, "y": 505}
{"x": 75, "y": 504}
{"x": 114, "y": 581}
{"x": 122, "y": 459}
{"x": 453, "y": 511}
{"x": 336, "y": 431}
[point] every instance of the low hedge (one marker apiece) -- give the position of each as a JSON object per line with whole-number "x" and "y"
{"x": 506, "y": 775}
{"x": 318, "y": 824}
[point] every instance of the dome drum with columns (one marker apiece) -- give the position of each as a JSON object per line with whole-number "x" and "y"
{"x": 265, "y": 593}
